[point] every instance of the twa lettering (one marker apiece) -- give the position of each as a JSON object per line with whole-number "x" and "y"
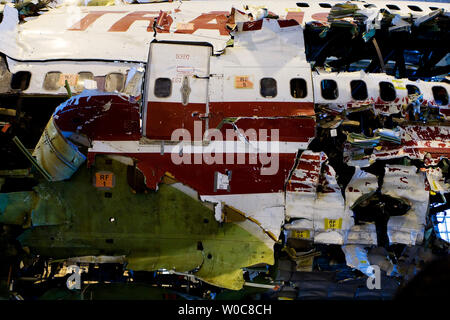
{"x": 214, "y": 20}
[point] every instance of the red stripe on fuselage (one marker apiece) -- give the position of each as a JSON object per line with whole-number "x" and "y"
{"x": 165, "y": 117}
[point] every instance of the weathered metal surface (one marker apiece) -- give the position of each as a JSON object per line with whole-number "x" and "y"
{"x": 56, "y": 155}
{"x": 171, "y": 226}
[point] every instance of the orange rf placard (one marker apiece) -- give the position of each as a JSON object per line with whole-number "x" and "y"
{"x": 243, "y": 82}
{"x": 104, "y": 180}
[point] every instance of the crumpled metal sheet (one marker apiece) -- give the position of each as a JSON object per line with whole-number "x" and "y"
{"x": 314, "y": 196}
{"x": 406, "y": 183}
{"x": 361, "y": 183}
{"x": 165, "y": 230}
{"x": 427, "y": 143}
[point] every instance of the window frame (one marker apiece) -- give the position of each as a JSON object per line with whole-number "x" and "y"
{"x": 123, "y": 81}
{"x": 261, "y": 87}
{"x": 321, "y": 89}
{"x": 434, "y": 95}
{"x": 380, "y": 90}
{"x": 365, "y": 89}
{"x": 305, "y": 88}
{"x": 170, "y": 88}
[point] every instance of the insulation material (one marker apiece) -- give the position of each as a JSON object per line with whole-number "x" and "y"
{"x": 267, "y": 210}
{"x": 356, "y": 257}
{"x": 361, "y": 183}
{"x": 330, "y": 218}
{"x": 321, "y": 209}
{"x": 404, "y": 182}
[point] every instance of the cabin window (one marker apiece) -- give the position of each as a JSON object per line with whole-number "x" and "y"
{"x": 302, "y": 5}
{"x": 82, "y": 76}
{"x": 359, "y": 89}
{"x": 51, "y": 81}
{"x": 268, "y": 87}
{"x": 325, "y": 5}
{"x": 387, "y": 91}
{"x": 21, "y": 80}
{"x": 392, "y": 7}
{"x": 415, "y": 8}
{"x": 329, "y": 89}
{"x": 369, "y": 5}
{"x": 114, "y": 82}
{"x": 298, "y": 88}
{"x": 163, "y": 87}
{"x": 434, "y": 8}
{"x": 412, "y": 89}
{"x": 440, "y": 95}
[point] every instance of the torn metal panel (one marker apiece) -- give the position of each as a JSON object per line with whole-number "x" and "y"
{"x": 404, "y": 182}
{"x": 161, "y": 239}
{"x": 356, "y": 257}
{"x": 99, "y": 116}
{"x": 302, "y": 185}
{"x": 378, "y": 208}
{"x": 267, "y": 210}
{"x": 361, "y": 183}
{"x": 313, "y": 195}
{"x": 331, "y": 222}
{"x": 428, "y": 143}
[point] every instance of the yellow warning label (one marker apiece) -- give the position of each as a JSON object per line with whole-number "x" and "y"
{"x": 243, "y": 82}
{"x": 293, "y": 9}
{"x": 304, "y": 234}
{"x": 399, "y": 84}
{"x": 72, "y": 79}
{"x": 333, "y": 223}
{"x": 104, "y": 179}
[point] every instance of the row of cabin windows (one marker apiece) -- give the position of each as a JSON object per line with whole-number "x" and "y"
{"x": 390, "y": 6}
{"x": 329, "y": 90}
{"x": 114, "y": 81}
{"x": 268, "y": 87}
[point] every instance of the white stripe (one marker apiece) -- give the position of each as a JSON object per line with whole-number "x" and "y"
{"x": 187, "y": 147}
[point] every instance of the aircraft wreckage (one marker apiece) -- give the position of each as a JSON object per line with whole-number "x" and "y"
{"x": 214, "y": 139}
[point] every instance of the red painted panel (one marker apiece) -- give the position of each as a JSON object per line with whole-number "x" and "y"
{"x": 100, "y": 117}
{"x": 245, "y": 178}
{"x": 164, "y": 117}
